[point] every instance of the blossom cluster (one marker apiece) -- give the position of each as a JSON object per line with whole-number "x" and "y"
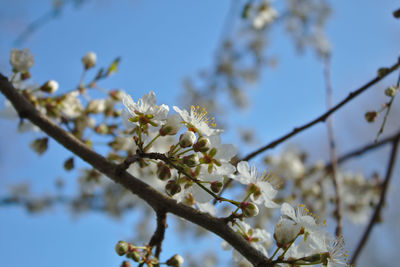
{"x": 180, "y": 153}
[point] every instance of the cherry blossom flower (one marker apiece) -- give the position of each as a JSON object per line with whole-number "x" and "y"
{"x": 144, "y": 111}
{"x": 197, "y": 121}
{"x": 249, "y": 176}
{"x": 21, "y": 60}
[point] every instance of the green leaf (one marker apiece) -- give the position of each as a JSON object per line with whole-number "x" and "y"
{"x": 114, "y": 66}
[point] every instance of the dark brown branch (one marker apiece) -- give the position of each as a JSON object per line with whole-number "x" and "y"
{"x": 332, "y": 146}
{"x": 155, "y": 199}
{"x": 158, "y": 236}
{"x": 377, "y": 213}
{"x": 324, "y": 116}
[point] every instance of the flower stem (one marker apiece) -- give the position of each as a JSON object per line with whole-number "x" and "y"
{"x": 151, "y": 142}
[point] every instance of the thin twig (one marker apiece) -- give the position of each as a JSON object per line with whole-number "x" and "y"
{"x": 377, "y": 213}
{"x": 388, "y": 108}
{"x": 367, "y": 148}
{"x": 158, "y": 236}
{"x": 332, "y": 146}
{"x": 325, "y": 115}
{"x": 154, "y": 198}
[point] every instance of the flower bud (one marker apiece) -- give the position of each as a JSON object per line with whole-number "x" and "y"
{"x": 69, "y": 164}
{"x": 249, "y": 209}
{"x": 102, "y": 129}
{"x": 172, "y": 187}
{"x": 117, "y": 95}
{"x": 40, "y": 145}
{"x": 172, "y": 126}
{"x": 191, "y": 160}
{"x": 122, "y": 248}
{"x": 286, "y": 232}
{"x": 126, "y": 264}
{"x": 202, "y": 145}
{"x": 216, "y": 186}
{"x": 187, "y": 139}
{"x": 89, "y": 60}
{"x": 25, "y": 75}
{"x": 134, "y": 255}
{"x": 391, "y": 91}
{"x": 396, "y": 13}
{"x": 163, "y": 171}
{"x": 175, "y": 261}
{"x": 371, "y": 116}
{"x": 49, "y": 87}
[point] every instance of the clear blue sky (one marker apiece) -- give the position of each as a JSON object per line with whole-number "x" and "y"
{"x": 160, "y": 42}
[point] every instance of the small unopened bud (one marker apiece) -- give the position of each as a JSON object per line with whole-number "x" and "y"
{"x": 249, "y": 209}
{"x": 40, "y": 145}
{"x": 117, "y": 95}
{"x": 102, "y": 129}
{"x": 286, "y": 232}
{"x": 122, "y": 248}
{"x": 69, "y": 164}
{"x": 163, "y": 171}
{"x": 216, "y": 186}
{"x": 396, "y": 13}
{"x": 49, "y": 87}
{"x": 25, "y": 75}
{"x": 126, "y": 264}
{"x": 371, "y": 116}
{"x": 173, "y": 187}
{"x": 89, "y": 60}
{"x": 175, "y": 261}
{"x": 134, "y": 255}
{"x": 172, "y": 126}
{"x": 202, "y": 145}
{"x": 187, "y": 139}
{"x": 391, "y": 91}
{"x": 191, "y": 160}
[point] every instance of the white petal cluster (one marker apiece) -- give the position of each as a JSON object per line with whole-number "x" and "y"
{"x": 21, "y": 60}
{"x": 197, "y": 120}
{"x": 145, "y": 106}
{"x": 248, "y": 175}
{"x": 258, "y": 238}
{"x": 311, "y": 240}
{"x": 71, "y": 105}
{"x": 263, "y": 15}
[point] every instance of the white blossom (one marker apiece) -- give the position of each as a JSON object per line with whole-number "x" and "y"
{"x": 197, "y": 120}
{"x": 145, "y": 107}
{"x": 249, "y": 176}
{"x": 21, "y": 60}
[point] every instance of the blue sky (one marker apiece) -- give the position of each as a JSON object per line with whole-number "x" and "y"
{"x": 160, "y": 42}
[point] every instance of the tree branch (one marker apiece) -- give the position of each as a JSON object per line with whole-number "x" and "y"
{"x": 155, "y": 199}
{"x": 377, "y": 213}
{"x": 364, "y": 149}
{"x": 324, "y": 116}
{"x": 158, "y": 236}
